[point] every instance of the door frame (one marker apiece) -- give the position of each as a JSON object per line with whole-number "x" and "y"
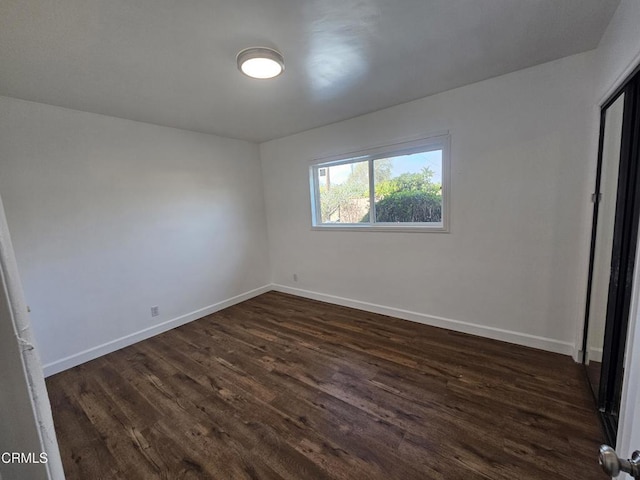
{"x": 628, "y": 437}
{"x": 623, "y": 256}
{"x": 13, "y": 297}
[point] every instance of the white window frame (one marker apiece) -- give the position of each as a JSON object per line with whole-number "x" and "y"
{"x": 426, "y": 144}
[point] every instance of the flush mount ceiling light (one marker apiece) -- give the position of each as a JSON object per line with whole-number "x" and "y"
{"x": 260, "y": 62}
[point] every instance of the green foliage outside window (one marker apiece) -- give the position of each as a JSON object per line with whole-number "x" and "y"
{"x": 406, "y": 198}
{"x": 409, "y": 197}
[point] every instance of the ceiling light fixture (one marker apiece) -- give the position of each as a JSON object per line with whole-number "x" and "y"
{"x": 260, "y": 62}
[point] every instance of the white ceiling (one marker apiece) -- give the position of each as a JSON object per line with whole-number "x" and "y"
{"x": 172, "y": 62}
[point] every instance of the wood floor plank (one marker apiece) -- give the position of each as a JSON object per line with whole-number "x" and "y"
{"x": 280, "y": 387}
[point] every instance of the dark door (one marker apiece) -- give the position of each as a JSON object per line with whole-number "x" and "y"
{"x": 613, "y": 250}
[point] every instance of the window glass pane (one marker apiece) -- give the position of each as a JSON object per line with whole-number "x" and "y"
{"x": 408, "y": 188}
{"x": 344, "y": 193}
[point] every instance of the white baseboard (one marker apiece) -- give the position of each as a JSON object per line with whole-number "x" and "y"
{"x": 108, "y": 347}
{"x": 518, "y": 338}
{"x": 594, "y": 354}
{"x": 542, "y": 343}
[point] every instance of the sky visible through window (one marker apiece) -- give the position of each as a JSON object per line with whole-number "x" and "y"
{"x": 416, "y": 162}
{"x": 413, "y": 163}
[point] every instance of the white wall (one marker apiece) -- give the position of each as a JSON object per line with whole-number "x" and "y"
{"x": 514, "y": 263}
{"x": 619, "y": 50}
{"x": 110, "y": 217}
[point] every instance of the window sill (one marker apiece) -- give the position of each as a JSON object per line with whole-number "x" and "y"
{"x": 382, "y": 228}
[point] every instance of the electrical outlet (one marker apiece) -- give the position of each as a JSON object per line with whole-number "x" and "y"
{"x": 155, "y": 311}
{"x": 295, "y": 277}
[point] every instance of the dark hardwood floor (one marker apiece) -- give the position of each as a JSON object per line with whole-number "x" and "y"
{"x": 284, "y": 387}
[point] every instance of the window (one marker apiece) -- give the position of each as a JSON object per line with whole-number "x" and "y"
{"x": 402, "y": 186}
